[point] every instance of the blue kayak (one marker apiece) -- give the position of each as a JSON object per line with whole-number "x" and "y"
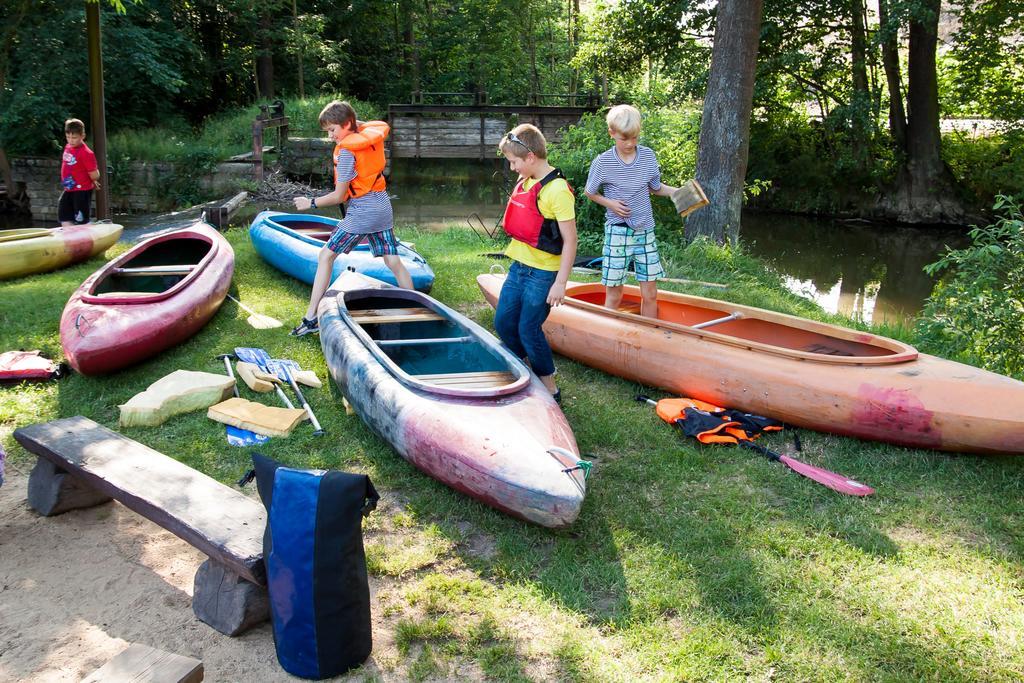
{"x": 291, "y": 242}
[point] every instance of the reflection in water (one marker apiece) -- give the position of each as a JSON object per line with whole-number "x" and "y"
{"x": 436, "y": 193}
{"x": 873, "y": 272}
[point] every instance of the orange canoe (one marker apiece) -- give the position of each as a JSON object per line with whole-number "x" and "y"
{"x": 806, "y": 373}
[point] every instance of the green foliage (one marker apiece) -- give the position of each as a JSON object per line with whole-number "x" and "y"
{"x": 46, "y": 79}
{"x": 812, "y": 165}
{"x": 671, "y": 133}
{"x": 986, "y": 166}
{"x": 977, "y": 311}
{"x": 983, "y": 73}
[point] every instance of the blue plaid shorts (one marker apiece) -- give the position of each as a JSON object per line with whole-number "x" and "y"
{"x": 381, "y": 243}
{"x": 622, "y": 245}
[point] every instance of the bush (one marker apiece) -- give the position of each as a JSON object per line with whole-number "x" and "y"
{"x": 976, "y": 313}
{"x": 987, "y": 167}
{"x": 224, "y": 135}
{"x": 812, "y": 165}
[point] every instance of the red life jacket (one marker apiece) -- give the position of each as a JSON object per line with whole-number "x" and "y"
{"x": 16, "y": 366}
{"x": 367, "y": 146}
{"x": 523, "y": 220}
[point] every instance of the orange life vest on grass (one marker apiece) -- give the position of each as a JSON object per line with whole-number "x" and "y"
{"x": 367, "y": 146}
{"x": 709, "y": 423}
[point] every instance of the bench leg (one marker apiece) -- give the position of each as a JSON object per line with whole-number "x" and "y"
{"x": 226, "y": 601}
{"x": 52, "y": 491}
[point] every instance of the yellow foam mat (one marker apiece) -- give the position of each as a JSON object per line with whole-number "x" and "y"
{"x": 257, "y": 417}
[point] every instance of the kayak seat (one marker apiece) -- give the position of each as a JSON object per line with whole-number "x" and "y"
{"x": 419, "y": 342}
{"x": 468, "y": 380}
{"x": 827, "y": 350}
{"x": 381, "y": 316}
{"x": 124, "y": 295}
{"x": 146, "y": 271}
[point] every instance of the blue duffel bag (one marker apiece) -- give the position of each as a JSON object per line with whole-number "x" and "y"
{"x": 316, "y": 566}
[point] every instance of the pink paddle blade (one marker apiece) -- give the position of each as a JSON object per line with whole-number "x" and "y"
{"x": 836, "y": 482}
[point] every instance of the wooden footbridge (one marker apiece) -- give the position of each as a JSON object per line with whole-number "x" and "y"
{"x": 433, "y": 127}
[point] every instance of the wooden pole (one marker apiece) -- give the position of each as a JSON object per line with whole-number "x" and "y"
{"x": 98, "y": 109}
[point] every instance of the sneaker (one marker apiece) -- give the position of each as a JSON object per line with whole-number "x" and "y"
{"x": 557, "y": 396}
{"x": 306, "y": 327}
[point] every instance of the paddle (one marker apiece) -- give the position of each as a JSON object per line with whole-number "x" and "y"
{"x": 257, "y": 320}
{"x": 836, "y": 482}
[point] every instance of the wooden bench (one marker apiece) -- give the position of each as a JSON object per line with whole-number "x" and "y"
{"x": 394, "y": 315}
{"x": 82, "y": 463}
{"x": 469, "y": 380}
{"x": 143, "y": 663}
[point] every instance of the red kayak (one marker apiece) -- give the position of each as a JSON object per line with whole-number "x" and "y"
{"x": 152, "y": 297}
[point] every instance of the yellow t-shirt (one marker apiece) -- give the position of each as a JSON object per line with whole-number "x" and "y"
{"x": 554, "y": 201}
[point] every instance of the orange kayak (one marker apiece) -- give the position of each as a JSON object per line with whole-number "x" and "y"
{"x": 806, "y": 373}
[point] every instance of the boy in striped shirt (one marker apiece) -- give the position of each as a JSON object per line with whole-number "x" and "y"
{"x": 622, "y": 180}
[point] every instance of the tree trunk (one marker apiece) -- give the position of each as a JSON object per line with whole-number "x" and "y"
{"x": 860, "y": 100}
{"x": 725, "y": 124}
{"x": 925, "y": 189}
{"x": 891, "y": 65}
{"x": 265, "y": 59}
{"x": 298, "y": 27}
{"x": 411, "y": 49}
{"x": 531, "y": 46}
{"x": 574, "y": 30}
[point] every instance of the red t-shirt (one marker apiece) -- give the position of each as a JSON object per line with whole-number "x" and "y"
{"x": 76, "y": 164}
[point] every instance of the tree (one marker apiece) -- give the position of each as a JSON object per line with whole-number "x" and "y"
{"x": 725, "y": 126}
{"x": 924, "y": 190}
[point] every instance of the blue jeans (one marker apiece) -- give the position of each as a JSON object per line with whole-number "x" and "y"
{"x": 522, "y": 309}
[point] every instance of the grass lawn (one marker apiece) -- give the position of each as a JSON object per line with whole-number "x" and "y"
{"x": 687, "y": 562}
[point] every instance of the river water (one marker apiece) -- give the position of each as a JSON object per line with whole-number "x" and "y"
{"x": 869, "y": 271}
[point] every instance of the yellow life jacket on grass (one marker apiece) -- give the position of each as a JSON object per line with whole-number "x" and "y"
{"x": 367, "y": 146}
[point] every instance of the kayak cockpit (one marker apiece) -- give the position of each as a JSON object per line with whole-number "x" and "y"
{"x": 753, "y": 328}
{"x": 425, "y": 347}
{"x": 154, "y": 273}
{"x": 315, "y": 230}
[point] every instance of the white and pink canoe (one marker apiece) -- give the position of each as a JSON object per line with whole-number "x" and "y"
{"x": 446, "y": 395}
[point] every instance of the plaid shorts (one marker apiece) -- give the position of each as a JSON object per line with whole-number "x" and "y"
{"x": 381, "y": 243}
{"x": 623, "y": 244}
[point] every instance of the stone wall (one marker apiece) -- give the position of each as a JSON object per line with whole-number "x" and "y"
{"x": 306, "y": 157}
{"x": 144, "y": 192}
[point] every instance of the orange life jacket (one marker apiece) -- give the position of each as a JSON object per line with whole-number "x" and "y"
{"x": 367, "y": 146}
{"x": 709, "y": 423}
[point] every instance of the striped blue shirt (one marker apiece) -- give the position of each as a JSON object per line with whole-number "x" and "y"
{"x": 370, "y": 213}
{"x": 630, "y": 183}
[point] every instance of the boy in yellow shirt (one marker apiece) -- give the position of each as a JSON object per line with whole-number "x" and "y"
{"x": 541, "y": 220}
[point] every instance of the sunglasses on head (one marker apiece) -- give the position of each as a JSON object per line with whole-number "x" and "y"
{"x": 512, "y": 137}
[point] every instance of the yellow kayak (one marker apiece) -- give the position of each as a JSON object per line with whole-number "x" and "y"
{"x": 37, "y": 250}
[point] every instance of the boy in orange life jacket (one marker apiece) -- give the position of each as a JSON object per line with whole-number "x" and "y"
{"x": 359, "y": 180}
{"x": 541, "y": 220}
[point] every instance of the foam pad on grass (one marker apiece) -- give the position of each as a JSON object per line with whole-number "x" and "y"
{"x": 182, "y": 391}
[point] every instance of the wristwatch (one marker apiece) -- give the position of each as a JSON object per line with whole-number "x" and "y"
{"x": 312, "y": 202}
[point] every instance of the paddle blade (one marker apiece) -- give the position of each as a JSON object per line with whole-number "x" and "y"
{"x": 253, "y": 355}
{"x": 263, "y": 322}
{"x": 836, "y": 482}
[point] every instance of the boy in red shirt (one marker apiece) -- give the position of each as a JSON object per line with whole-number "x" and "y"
{"x": 78, "y": 176}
